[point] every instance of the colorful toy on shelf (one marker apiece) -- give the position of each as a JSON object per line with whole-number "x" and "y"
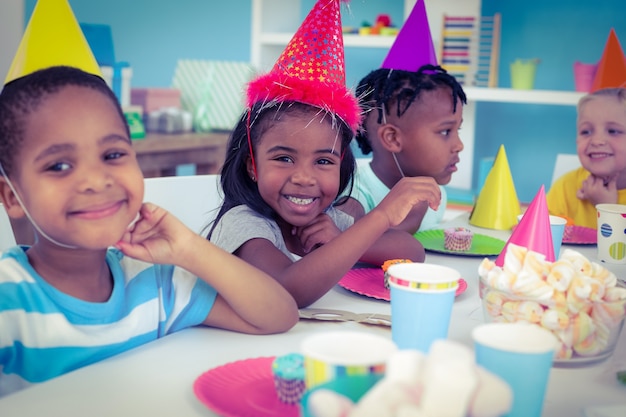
{"x": 382, "y": 26}
{"x": 470, "y": 49}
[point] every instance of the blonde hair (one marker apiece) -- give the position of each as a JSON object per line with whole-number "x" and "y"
{"x": 618, "y": 92}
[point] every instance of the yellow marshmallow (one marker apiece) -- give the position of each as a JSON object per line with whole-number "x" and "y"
{"x": 561, "y": 275}
{"x": 529, "y": 311}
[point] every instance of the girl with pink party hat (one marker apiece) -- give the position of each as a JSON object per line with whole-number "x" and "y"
{"x": 289, "y": 161}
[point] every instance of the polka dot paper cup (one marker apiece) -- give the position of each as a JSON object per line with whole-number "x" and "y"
{"x": 331, "y": 355}
{"x": 612, "y": 233}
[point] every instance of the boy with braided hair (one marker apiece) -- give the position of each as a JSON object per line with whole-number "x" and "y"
{"x": 411, "y": 128}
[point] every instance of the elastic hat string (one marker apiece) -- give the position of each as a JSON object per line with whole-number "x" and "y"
{"x": 35, "y": 225}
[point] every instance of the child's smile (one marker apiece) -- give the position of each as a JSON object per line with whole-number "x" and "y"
{"x": 298, "y": 165}
{"x": 601, "y": 136}
{"x": 79, "y": 177}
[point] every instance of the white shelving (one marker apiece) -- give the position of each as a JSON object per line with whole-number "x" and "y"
{"x": 275, "y": 21}
{"x": 374, "y": 41}
{"x": 508, "y": 95}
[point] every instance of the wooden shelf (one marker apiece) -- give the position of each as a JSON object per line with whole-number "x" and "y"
{"x": 159, "y": 154}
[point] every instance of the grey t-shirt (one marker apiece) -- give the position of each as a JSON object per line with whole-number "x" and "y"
{"x": 240, "y": 224}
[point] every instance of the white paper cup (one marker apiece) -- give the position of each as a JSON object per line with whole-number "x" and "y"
{"x": 612, "y": 233}
{"x": 521, "y": 354}
{"x": 422, "y": 296}
{"x": 332, "y": 355}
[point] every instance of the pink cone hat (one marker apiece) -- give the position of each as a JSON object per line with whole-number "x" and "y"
{"x": 413, "y": 46}
{"x": 533, "y": 231}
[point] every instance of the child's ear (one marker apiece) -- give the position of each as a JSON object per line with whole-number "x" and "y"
{"x": 250, "y": 169}
{"x": 9, "y": 200}
{"x": 390, "y": 137}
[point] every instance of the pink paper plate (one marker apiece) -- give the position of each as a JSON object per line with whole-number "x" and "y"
{"x": 243, "y": 389}
{"x": 579, "y": 235}
{"x": 371, "y": 283}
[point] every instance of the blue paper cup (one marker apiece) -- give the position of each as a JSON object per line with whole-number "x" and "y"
{"x": 422, "y": 296}
{"x": 520, "y": 353}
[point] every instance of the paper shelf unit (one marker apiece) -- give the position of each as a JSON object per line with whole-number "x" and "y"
{"x": 470, "y": 49}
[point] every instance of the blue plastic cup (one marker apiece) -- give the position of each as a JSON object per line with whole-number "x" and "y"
{"x": 521, "y": 354}
{"x": 422, "y": 296}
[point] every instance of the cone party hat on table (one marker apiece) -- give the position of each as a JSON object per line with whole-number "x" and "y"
{"x": 413, "y": 46}
{"x": 533, "y": 231}
{"x": 52, "y": 37}
{"x": 311, "y": 69}
{"x": 497, "y": 206}
{"x": 611, "y": 71}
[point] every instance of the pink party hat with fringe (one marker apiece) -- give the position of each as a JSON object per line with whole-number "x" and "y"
{"x": 413, "y": 46}
{"x": 533, "y": 231}
{"x": 311, "y": 69}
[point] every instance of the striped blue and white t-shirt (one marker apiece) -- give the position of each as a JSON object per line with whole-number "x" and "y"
{"x": 45, "y": 333}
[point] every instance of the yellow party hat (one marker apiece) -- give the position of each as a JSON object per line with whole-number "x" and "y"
{"x": 52, "y": 37}
{"x": 497, "y": 205}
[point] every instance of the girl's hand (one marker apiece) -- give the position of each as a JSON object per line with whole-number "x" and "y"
{"x": 156, "y": 237}
{"x": 598, "y": 190}
{"x": 318, "y": 232}
{"x": 408, "y": 193}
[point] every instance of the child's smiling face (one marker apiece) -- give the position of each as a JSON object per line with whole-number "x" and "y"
{"x": 298, "y": 166}
{"x": 601, "y": 136}
{"x": 77, "y": 173}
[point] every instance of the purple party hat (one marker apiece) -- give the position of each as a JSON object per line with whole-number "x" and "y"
{"x": 413, "y": 46}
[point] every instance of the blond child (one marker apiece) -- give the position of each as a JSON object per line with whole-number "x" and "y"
{"x": 601, "y": 148}
{"x": 71, "y": 298}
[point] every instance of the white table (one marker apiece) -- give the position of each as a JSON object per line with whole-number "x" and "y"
{"x": 156, "y": 379}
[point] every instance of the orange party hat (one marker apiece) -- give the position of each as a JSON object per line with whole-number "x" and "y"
{"x": 497, "y": 205}
{"x": 311, "y": 69}
{"x": 52, "y": 37}
{"x": 611, "y": 71}
{"x": 533, "y": 231}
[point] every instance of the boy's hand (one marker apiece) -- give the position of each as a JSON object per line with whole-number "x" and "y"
{"x": 598, "y": 190}
{"x": 155, "y": 236}
{"x": 318, "y": 232}
{"x": 408, "y": 193}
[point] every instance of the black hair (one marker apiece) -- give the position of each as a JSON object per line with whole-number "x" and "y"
{"x": 237, "y": 186}
{"x": 386, "y": 88}
{"x": 20, "y": 97}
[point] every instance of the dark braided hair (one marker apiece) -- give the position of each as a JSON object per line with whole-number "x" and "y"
{"x": 22, "y": 96}
{"x": 238, "y": 188}
{"x": 387, "y": 88}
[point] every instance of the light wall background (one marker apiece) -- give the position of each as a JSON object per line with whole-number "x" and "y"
{"x": 153, "y": 34}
